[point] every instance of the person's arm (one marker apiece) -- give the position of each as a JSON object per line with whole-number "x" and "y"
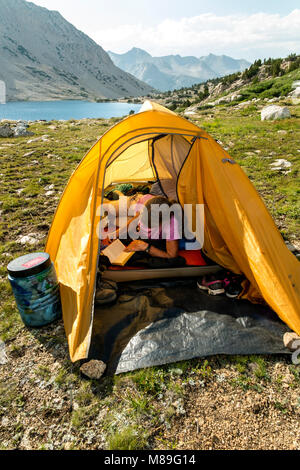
{"x": 171, "y": 249}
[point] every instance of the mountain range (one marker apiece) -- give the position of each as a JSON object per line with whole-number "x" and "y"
{"x": 174, "y": 71}
{"x": 43, "y": 56}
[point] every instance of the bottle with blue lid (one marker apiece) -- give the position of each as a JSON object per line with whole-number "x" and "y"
{"x": 36, "y": 289}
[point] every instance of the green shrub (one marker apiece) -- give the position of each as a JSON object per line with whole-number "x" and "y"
{"x": 268, "y": 89}
{"x": 127, "y": 439}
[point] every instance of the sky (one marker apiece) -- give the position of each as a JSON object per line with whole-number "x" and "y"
{"x": 238, "y": 28}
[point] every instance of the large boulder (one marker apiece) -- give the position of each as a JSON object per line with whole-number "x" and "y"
{"x": 6, "y": 131}
{"x": 236, "y": 96}
{"x": 271, "y": 113}
{"x": 296, "y": 93}
{"x": 16, "y": 130}
{"x": 191, "y": 111}
{"x": 21, "y": 130}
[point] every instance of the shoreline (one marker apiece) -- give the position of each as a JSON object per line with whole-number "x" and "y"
{"x": 65, "y": 110}
{"x": 55, "y": 100}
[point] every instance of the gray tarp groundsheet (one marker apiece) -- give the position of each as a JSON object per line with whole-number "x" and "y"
{"x": 155, "y": 323}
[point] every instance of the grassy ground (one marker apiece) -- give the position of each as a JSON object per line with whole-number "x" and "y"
{"x": 216, "y": 403}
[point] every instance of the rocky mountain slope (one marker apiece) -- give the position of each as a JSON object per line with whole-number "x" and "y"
{"x": 173, "y": 71}
{"x": 268, "y": 80}
{"x": 42, "y": 56}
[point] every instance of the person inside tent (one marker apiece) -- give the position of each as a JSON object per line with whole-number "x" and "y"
{"x": 134, "y": 204}
{"x": 156, "y": 247}
{"x": 159, "y": 238}
{"x": 121, "y": 213}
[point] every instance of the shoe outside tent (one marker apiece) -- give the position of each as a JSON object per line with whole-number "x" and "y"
{"x": 239, "y": 233}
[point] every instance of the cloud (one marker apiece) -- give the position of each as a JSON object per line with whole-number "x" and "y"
{"x": 249, "y": 36}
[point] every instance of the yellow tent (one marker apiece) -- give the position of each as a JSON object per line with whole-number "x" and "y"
{"x": 240, "y": 234}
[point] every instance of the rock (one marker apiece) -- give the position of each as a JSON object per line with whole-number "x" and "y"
{"x": 28, "y": 154}
{"x": 236, "y": 96}
{"x": 281, "y": 164}
{"x": 22, "y": 123}
{"x": 192, "y": 110}
{"x": 89, "y": 436}
{"x": 219, "y": 89}
{"x": 3, "y": 356}
{"x": 68, "y": 446}
{"x": 296, "y": 93}
{"x": 288, "y": 378}
{"x": 253, "y": 366}
{"x": 5, "y": 422}
{"x": 220, "y": 378}
{"x": 34, "y": 140}
{"x": 26, "y": 239}
{"x": 21, "y": 130}
{"x": 275, "y": 112}
{"x": 43, "y": 138}
{"x": 224, "y": 100}
{"x": 25, "y": 441}
{"x": 282, "y": 132}
{"x": 244, "y": 104}
{"x": 30, "y": 239}
{"x": 49, "y": 190}
{"x": 291, "y": 341}
{"x": 93, "y": 369}
{"x": 291, "y": 247}
{"x": 6, "y": 131}
{"x": 177, "y": 371}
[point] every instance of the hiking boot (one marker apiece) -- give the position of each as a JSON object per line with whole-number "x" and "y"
{"x": 213, "y": 284}
{"x": 106, "y": 292}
